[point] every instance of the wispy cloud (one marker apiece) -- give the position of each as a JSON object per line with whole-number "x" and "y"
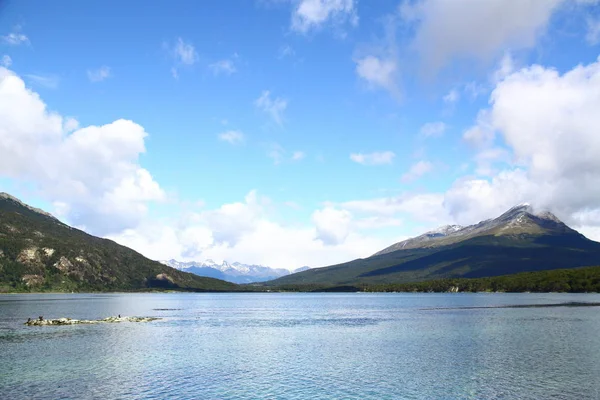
{"x": 286, "y": 51}
{"x": 226, "y": 67}
{"x": 232, "y": 137}
{"x": 452, "y": 97}
{"x": 416, "y": 171}
{"x": 98, "y": 75}
{"x": 593, "y": 31}
{"x": 375, "y": 158}
{"x": 276, "y": 152}
{"x": 274, "y": 107}
{"x": 6, "y": 61}
{"x": 298, "y": 155}
{"x": 183, "y": 53}
{"x": 47, "y": 81}
{"x": 14, "y": 39}
{"x": 433, "y": 129}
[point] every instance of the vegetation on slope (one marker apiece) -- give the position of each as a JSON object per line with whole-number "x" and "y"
{"x": 576, "y": 280}
{"x": 40, "y": 253}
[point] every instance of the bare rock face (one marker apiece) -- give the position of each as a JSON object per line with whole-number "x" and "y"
{"x": 32, "y": 280}
{"x": 68, "y": 321}
{"x": 164, "y": 277}
{"x": 29, "y": 256}
{"x": 63, "y": 264}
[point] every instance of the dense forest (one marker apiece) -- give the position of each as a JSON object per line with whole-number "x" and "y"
{"x": 573, "y": 280}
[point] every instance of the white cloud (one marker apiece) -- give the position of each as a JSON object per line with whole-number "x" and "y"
{"x": 433, "y": 129}
{"x": 98, "y": 75}
{"x": 475, "y": 29}
{"x": 14, "y": 39}
{"x": 92, "y": 174}
{"x": 593, "y": 31}
{"x": 6, "y": 61}
{"x": 232, "y": 137}
{"x": 375, "y": 158}
{"x": 47, "y": 81}
{"x": 417, "y": 170}
{"x": 274, "y": 107}
{"x": 378, "y": 72}
{"x": 298, "y": 155}
{"x": 421, "y": 206}
{"x": 312, "y": 14}
{"x": 452, "y": 97}
{"x": 246, "y": 232}
{"x": 183, "y": 53}
{"x": 548, "y": 123}
{"x": 226, "y": 67}
{"x": 332, "y": 225}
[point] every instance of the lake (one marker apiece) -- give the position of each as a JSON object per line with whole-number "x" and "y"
{"x": 301, "y": 346}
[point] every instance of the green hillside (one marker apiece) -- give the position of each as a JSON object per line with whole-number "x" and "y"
{"x": 517, "y": 241}
{"x": 40, "y": 253}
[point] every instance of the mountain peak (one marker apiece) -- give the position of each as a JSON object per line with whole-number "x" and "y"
{"x": 520, "y": 219}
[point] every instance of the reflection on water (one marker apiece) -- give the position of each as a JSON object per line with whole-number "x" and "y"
{"x": 299, "y": 346}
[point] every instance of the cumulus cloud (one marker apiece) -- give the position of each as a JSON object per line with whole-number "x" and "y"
{"x": 433, "y": 129}
{"x": 91, "y": 174}
{"x": 332, "y": 225}
{"x": 98, "y": 75}
{"x": 416, "y": 171}
{"x": 375, "y": 158}
{"x": 313, "y": 14}
{"x": 232, "y": 137}
{"x": 246, "y": 231}
{"x": 547, "y": 121}
{"x": 274, "y": 107}
{"x": 475, "y": 29}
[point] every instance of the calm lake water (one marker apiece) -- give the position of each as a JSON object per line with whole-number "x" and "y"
{"x": 301, "y": 346}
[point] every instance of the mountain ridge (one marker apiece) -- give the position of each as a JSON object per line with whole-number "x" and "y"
{"x": 40, "y": 253}
{"x": 519, "y": 240}
{"x": 235, "y": 272}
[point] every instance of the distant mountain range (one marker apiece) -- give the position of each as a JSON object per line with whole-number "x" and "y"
{"x": 235, "y": 272}
{"x": 40, "y": 253}
{"x": 521, "y": 239}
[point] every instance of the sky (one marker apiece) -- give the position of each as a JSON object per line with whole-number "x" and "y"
{"x": 298, "y": 132}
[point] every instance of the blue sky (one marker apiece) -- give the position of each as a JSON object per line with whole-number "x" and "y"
{"x": 298, "y": 132}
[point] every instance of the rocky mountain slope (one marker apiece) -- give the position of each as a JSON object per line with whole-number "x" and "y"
{"x": 232, "y": 272}
{"x": 521, "y": 239}
{"x": 40, "y": 253}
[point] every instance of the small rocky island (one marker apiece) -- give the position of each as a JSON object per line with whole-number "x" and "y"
{"x": 40, "y": 321}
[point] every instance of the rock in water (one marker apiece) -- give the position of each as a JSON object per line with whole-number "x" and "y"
{"x": 69, "y": 321}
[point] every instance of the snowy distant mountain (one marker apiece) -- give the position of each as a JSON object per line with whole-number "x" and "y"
{"x": 233, "y": 272}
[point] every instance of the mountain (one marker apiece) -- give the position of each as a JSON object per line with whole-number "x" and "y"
{"x": 234, "y": 272}
{"x": 522, "y": 239}
{"x": 40, "y": 253}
